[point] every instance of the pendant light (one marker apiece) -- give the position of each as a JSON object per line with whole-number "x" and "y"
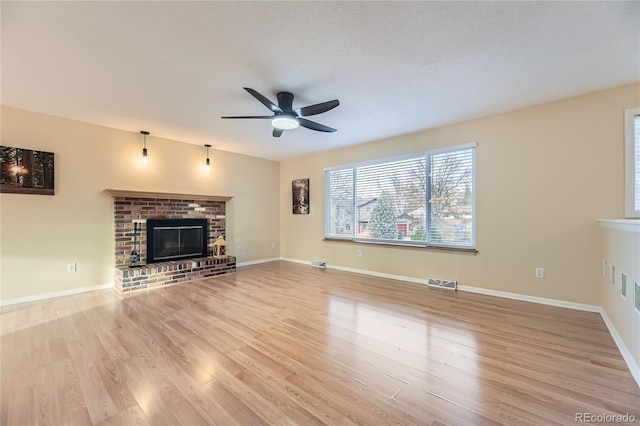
{"x": 207, "y": 146}
{"x": 145, "y": 160}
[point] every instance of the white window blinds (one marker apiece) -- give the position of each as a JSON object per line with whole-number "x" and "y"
{"x": 451, "y": 198}
{"x": 423, "y": 199}
{"x": 632, "y": 162}
{"x": 636, "y": 160}
{"x": 339, "y": 218}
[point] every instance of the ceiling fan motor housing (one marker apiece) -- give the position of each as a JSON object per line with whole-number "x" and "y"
{"x": 285, "y": 101}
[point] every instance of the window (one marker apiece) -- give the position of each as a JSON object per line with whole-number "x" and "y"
{"x": 425, "y": 199}
{"x": 632, "y": 162}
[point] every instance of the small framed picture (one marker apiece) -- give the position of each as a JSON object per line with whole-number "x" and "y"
{"x": 26, "y": 171}
{"x": 300, "y": 196}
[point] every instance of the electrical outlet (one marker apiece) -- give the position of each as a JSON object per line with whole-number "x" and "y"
{"x": 539, "y": 272}
{"x": 359, "y": 252}
{"x": 71, "y": 267}
{"x": 240, "y": 249}
{"x": 273, "y": 245}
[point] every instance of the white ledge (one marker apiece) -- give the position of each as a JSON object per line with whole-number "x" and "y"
{"x": 628, "y": 225}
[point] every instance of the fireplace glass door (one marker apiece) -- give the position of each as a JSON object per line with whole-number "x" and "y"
{"x": 175, "y": 239}
{"x": 176, "y": 242}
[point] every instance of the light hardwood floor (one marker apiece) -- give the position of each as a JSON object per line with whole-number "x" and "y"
{"x": 283, "y": 343}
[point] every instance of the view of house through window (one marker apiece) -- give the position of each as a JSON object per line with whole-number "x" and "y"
{"x": 424, "y": 199}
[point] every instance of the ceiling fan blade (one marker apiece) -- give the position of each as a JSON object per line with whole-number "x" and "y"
{"x": 285, "y": 101}
{"x": 277, "y": 132}
{"x": 266, "y": 102}
{"x": 317, "y": 108}
{"x": 251, "y": 116}
{"x": 315, "y": 126}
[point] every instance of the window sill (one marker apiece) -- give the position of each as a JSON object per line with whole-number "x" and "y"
{"x": 463, "y": 250}
{"x": 629, "y": 225}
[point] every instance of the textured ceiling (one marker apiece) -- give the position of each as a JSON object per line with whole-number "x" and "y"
{"x": 173, "y": 68}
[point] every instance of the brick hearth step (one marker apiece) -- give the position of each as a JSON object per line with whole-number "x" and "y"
{"x": 129, "y": 279}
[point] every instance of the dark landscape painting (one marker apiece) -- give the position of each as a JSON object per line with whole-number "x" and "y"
{"x": 300, "y": 193}
{"x": 25, "y": 171}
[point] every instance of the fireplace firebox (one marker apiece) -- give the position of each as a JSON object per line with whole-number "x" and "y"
{"x": 175, "y": 239}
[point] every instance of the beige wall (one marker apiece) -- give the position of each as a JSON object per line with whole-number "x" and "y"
{"x": 42, "y": 234}
{"x": 545, "y": 175}
{"x": 622, "y": 249}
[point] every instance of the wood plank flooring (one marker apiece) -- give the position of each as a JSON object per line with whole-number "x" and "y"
{"x": 287, "y": 344}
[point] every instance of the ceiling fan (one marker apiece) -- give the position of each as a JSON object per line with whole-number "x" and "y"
{"x": 286, "y": 118}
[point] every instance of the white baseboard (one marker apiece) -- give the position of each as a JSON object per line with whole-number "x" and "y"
{"x": 287, "y": 259}
{"x": 361, "y": 271}
{"x": 255, "y": 262}
{"x": 45, "y": 296}
{"x": 626, "y": 353}
{"x": 532, "y": 299}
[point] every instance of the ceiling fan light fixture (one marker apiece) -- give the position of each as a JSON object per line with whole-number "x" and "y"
{"x": 285, "y": 123}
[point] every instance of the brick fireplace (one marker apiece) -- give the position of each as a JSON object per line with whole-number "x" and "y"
{"x": 136, "y": 206}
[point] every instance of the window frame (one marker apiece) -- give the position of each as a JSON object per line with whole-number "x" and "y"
{"x": 630, "y": 167}
{"x": 406, "y": 243}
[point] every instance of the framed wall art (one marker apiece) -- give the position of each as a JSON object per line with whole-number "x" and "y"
{"x": 300, "y": 196}
{"x": 26, "y": 171}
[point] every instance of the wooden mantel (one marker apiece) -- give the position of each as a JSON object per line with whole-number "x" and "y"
{"x": 168, "y": 195}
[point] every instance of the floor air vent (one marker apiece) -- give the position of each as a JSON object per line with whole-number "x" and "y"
{"x": 319, "y": 264}
{"x": 437, "y": 282}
